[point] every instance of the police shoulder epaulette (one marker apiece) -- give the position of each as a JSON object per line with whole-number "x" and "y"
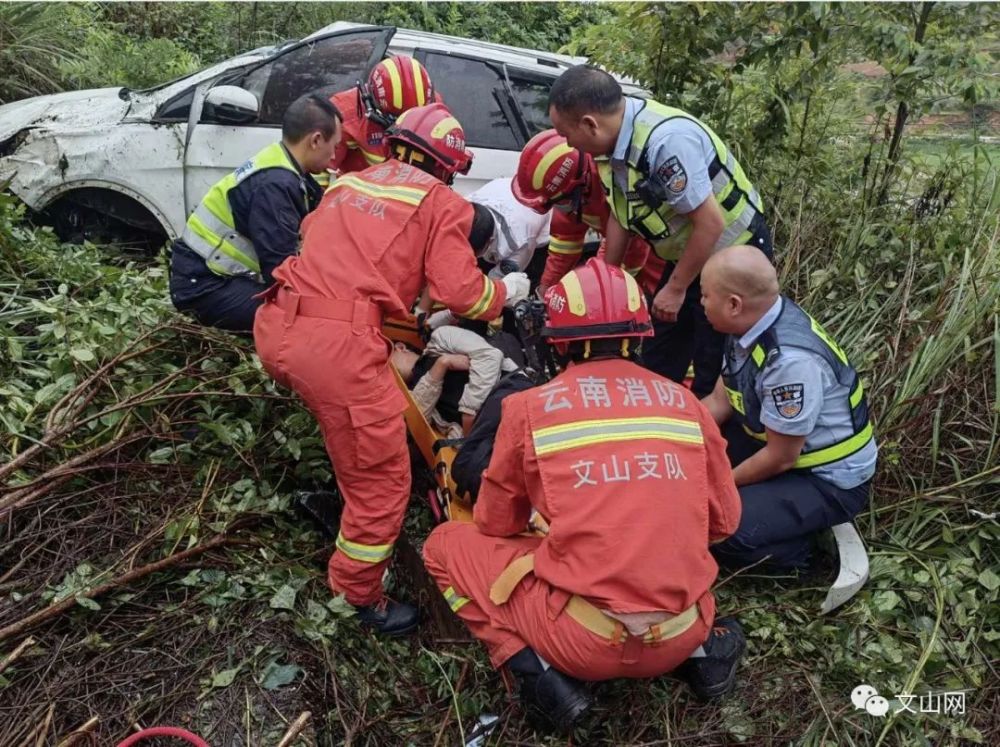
{"x": 772, "y": 350}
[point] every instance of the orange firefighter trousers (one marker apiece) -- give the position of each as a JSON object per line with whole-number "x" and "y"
{"x": 341, "y": 372}
{"x": 465, "y": 562}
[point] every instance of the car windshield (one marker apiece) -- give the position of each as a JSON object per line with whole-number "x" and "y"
{"x": 260, "y": 52}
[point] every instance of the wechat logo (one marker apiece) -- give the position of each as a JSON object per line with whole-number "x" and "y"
{"x": 866, "y": 697}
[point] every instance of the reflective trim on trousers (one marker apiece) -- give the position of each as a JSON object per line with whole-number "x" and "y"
{"x": 363, "y": 553}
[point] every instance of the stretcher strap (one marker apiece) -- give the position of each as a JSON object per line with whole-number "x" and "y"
{"x": 444, "y": 442}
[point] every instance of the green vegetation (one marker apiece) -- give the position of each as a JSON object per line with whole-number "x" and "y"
{"x": 130, "y": 436}
{"x": 47, "y": 47}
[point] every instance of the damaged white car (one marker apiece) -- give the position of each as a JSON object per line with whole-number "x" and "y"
{"x": 131, "y": 165}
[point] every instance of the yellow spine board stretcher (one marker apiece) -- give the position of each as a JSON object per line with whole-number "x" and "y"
{"x": 423, "y": 433}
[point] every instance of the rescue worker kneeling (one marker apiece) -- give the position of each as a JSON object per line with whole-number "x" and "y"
{"x": 248, "y": 223}
{"x": 377, "y": 238}
{"x": 630, "y": 472}
{"x": 799, "y": 431}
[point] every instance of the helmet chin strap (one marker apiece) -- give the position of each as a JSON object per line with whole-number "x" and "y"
{"x": 369, "y": 108}
{"x": 578, "y": 192}
{"x": 418, "y": 159}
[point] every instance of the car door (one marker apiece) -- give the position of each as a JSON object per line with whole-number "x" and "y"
{"x": 475, "y": 92}
{"x": 327, "y": 64}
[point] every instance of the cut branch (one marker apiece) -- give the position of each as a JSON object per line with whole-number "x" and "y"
{"x": 54, "y": 610}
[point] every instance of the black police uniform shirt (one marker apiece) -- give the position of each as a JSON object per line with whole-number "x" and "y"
{"x": 268, "y": 208}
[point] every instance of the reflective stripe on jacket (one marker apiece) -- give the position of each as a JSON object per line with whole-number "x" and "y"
{"x": 654, "y": 219}
{"x": 211, "y": 230}
{"x": 795, "y": 328}
{"x": 630, "y": 472}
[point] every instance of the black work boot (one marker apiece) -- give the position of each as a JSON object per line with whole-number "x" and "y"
{"x": 554, "y": 698}
{"x": 714, "y": 675}
{"x": 389, "y": 617}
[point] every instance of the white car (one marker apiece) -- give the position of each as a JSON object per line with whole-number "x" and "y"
{"x": 113, "y": 162}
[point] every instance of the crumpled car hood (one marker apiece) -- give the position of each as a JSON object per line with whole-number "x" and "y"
{"x": 75, "y": 109}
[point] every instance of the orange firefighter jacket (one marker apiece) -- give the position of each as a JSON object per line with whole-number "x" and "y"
{"x": 363, "y": 142}
{"x": 381, "y": 235}
{"x": 630, "y": 471}
{"x": 569, "y": 230}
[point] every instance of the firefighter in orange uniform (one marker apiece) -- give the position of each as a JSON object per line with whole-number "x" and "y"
{"x": 553, "y": 176}
{"x": 630, "y": 472}
{"x": 395, "y": 85}
{"x": 377, "y": 238}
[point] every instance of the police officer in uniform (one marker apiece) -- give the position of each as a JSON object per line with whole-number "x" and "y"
{"x": 248, "y": 223}
{"x": 797, "y": 418}
{"x": 670, "y": 179}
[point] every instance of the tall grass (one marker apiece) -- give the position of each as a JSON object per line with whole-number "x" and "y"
{"x": 34, "y": 41}
{"x": 914, "y": 297}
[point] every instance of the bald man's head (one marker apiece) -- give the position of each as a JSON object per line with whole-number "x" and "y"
{"x": 738, "y": 284}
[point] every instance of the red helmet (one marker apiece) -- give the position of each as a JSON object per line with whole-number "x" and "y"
{"x": 594, "y": 302}
{"x": 548, "y": 171}
{"x": 432, "y": 130}
{"x": 400, "y": 83}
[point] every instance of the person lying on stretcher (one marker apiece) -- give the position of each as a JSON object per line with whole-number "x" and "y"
{"x": 453, "y": 376}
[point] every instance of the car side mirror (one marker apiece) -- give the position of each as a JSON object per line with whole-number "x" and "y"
{"x": 230, "y": 105}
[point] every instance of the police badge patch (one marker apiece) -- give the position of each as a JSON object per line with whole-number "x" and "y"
{"x": 672, "y": 175}
{"x": 788, "y": 399}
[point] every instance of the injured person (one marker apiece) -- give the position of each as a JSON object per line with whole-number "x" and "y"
{"x": 453, "y": 376}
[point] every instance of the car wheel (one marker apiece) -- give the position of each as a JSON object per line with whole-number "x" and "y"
{"x": 105, "y": 217}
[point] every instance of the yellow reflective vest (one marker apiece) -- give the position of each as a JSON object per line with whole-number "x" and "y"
{"x": 211, "y": 231}
{"x": 794, "y": 328}
{"x": 654, "y": 219}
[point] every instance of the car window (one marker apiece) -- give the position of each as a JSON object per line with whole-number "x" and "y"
{"x": 532, "y": 96}
{"x": 332, "y": 64}
{"x": 177, "y": 108}
{"x": 467, "y": 87}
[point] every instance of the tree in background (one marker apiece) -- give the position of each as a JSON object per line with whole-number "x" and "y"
{"x": 766, "y": 75}
{"x": 49, "y": 47}
{"x": 858, "y": 216}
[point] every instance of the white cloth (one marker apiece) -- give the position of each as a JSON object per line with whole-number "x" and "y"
{"x": 518, "y": 287}
{"x": 486, "y": 363}
{"x": 526, "y": 229}
{"x": 440, "y": 319}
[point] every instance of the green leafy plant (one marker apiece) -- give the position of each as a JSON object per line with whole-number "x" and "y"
{"x": 34, "y": 40}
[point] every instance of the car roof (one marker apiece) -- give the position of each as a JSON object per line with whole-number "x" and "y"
{"x": 547, "y": 63}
